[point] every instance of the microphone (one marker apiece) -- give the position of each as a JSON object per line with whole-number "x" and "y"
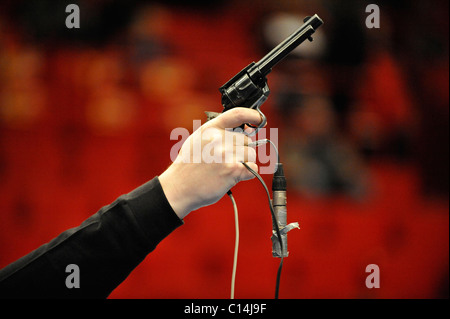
{"x": 279, "y": 201}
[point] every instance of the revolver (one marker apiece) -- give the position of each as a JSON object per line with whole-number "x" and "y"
{"x": 249, "y": 88}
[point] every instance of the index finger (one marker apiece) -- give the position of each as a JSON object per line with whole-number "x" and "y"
{"x": 238, "y": 116}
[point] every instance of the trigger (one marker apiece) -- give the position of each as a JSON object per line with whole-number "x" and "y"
{"x": 258, "y": 127}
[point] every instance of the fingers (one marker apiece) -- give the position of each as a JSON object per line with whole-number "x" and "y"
{"x": 237, "y": 138}
{"x": 243, "y": 154}
{"x": 236, "y": 117}
{"x": 245, "y": 174}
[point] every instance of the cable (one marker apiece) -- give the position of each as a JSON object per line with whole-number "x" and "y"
{"x": 277, "y": 229}
{"x": 264, "y": 141}
{"x": 276, "y": 150}
{"x": 236, "y": 244}
{"x": 274, "y": 221}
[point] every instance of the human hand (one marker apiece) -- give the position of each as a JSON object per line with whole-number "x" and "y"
{"x": 210, "y": 162}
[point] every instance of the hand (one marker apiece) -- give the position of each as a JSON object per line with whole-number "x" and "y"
{"x": 210, "y": 162}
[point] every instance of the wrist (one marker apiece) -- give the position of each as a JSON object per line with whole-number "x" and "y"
{"x": 173, "y": 190}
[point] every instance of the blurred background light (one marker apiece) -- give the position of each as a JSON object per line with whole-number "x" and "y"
{"x": 362, "y": 116}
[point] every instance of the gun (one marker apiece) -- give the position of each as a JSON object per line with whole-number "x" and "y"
{"x": 249, "y": 88}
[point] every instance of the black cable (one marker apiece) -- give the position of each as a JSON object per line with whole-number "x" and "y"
{"x": 277, "y": 229}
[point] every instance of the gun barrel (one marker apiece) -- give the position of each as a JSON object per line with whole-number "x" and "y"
{"x": 311, "y": 24}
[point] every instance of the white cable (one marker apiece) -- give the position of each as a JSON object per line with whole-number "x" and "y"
{"x": 265, "y": 141}
{"x": 236, "y": 219}
{"x": 236, "y": 245}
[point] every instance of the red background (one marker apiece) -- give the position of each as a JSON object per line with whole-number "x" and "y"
{"x": 83, "y": 124}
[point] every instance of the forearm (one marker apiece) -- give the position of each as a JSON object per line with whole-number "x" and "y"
{"x": 110, "y": 244}
{"x": 106, "y": 248}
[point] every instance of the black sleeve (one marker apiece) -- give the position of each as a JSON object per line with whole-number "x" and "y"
{"x": 106, "y": 248}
